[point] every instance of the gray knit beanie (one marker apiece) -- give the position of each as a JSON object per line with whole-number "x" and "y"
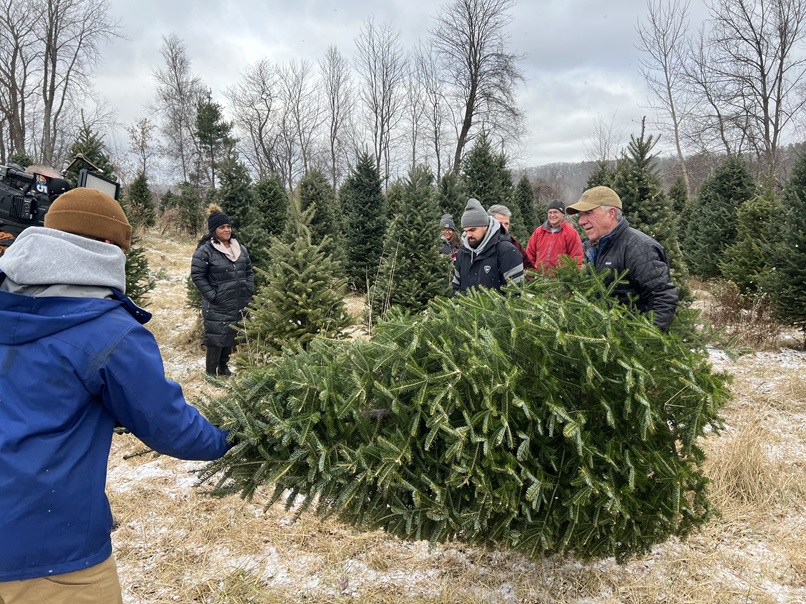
{"x": 556, "y": 204}
{"x": 474, "y": 215}
{"x": 446, "y": 222}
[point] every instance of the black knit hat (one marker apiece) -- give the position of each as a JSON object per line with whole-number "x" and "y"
{"x": 216, "y": 218}
{"x": 556, "y": 204}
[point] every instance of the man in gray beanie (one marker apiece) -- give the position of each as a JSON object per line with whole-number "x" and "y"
{"x": 487, "y": 257}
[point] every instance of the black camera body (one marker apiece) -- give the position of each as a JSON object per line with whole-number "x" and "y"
{"x": 25, "y": 198}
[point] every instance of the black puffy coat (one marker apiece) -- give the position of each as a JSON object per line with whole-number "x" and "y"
{"x": 495, "y": 262}
{"x": 648, "y": 280}
{"x": 226, "y": 288}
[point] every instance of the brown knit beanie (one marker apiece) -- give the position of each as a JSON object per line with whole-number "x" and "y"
{"x": 91, "y": 213}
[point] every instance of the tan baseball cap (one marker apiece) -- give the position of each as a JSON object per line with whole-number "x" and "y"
{"x": 593, "y": 198}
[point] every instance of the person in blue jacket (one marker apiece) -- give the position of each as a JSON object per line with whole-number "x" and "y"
{"x": 74, "y": 360}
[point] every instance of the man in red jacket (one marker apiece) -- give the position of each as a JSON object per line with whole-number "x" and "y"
{"x": 553, "y": 239}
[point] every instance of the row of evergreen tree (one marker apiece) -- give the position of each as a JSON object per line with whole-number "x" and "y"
{"x": 748, "y": 232}
{"x": 384, "y": 243}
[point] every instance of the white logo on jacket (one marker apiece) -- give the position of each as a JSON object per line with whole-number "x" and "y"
{"x": 487, "y": 268}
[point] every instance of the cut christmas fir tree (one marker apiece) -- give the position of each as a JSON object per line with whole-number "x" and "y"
{"x": 553, "y": 420}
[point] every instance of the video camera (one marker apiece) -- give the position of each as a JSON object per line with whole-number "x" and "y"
{"x": 26, "y": 197}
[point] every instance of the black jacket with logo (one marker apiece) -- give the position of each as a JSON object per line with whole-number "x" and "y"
{"x": 493, "y": 263}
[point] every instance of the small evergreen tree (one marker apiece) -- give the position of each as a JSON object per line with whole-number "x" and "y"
{"x": 139, "y": 280}
{"x": 261, "y": 210}
{"x": 646, "y": 206}
{"x": 412, "y": 271}
{"x": 256, "y": 238}
{"x": 678, "y": 196}
{"x": 21, "y": 158}
{"x": 91, "y": 145}
{"x": 711, "y": 217}
{"x": 169, "y": 201}
{"x": 301, "y": 299}
{"x": 524, "y": 200}
{"x": 214, "y": 136}
{"x": 316, "y": 192}
{"x": 140, "y": 203}
{"x": 189, "y": 204}
{"x": 451, "y": 196}
{"x": 787, "y": 252}
{"x": 517, "y": 227}
{"x": 746, "y": 262}
{"x": 603, "y": 175}
{"x": 365, "y": 216}
{"x": 235, "y": 193}
{"x": 394, "y": 197}
{"x": 272, "y": 204}
{"x": 482, "y": 175}
{"x": 557, "y": 421}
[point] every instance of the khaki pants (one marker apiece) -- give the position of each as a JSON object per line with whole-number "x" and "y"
{"x": 98, "y": 584}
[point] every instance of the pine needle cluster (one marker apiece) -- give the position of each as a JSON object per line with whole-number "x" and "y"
{"x": 555, "y": 420}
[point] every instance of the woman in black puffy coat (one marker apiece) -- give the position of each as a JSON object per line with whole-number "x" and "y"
{"x": 222, "y": 272}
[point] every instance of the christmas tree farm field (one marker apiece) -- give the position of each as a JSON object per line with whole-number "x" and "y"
{"x": 177, "y": 544}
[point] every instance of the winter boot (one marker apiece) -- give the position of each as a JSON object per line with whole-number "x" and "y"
{"x": 213, "y": 359}
{"x": 222, "y": 364}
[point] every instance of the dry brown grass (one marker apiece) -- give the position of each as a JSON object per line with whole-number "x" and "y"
{"x": 742, "y": 473}
{"x": 748, "y": 318}
{"x": 176, "y": 544}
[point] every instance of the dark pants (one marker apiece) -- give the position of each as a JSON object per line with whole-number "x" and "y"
{"x": 217, "y": 359}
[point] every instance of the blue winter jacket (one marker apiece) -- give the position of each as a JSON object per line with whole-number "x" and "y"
{"x": 70, "y": 367}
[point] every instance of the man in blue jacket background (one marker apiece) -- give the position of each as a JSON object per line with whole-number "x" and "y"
{"x": 74, "y": 359}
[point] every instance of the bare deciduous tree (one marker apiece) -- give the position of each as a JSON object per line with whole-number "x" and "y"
{"x": 301, "y": 106}
{"x": 254, "y": 105}
{"x": 415, "y": 108}
{"x": 19, "y": 48}
{"x": 178, "y": 94}
{"x": 381, "y": 63}
{"x": 337, "y": 92}
{"x": 755, "y": 68}
{"x": 435, "y": 112}
{"x": 711, "y": 124}
{"x": 470, "y": 38}
{"x": 71, "y": 35}
{"x": 141, "y": 142}
{"x": 663, "y": 65}
{"x": 605, "y": 142}
{"x": 48, "y": 50}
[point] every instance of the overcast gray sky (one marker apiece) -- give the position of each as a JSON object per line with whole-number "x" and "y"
{"x": 580, "y": 56}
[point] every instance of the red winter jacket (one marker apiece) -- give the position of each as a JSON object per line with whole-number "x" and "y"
{"x": 545, "y": 247}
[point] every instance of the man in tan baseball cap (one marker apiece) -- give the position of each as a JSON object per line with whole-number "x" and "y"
{"x": 614, "y": 246}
